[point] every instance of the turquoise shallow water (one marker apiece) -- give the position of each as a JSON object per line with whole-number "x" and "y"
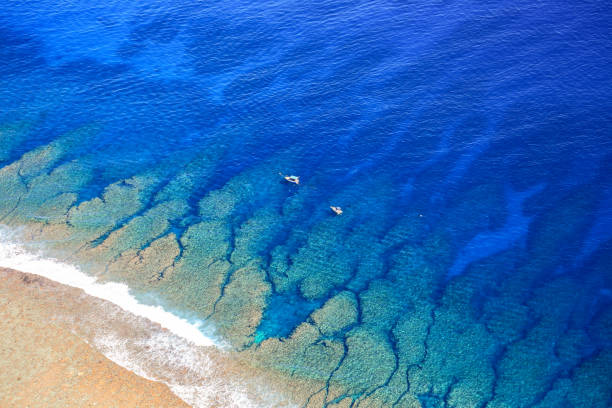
{"x": 468, "y": 145}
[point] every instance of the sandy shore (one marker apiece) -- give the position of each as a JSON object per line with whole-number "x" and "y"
{"x": 44, "y": 363}
{"x": 61, "y": 347}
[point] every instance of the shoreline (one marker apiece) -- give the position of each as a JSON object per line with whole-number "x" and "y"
{"x": 14, "y": 257}
{"x": 46, "y": 363}
{"x": 151, "y": 345}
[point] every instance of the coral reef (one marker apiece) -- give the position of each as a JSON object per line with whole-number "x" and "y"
{"x": 370, "y": 309}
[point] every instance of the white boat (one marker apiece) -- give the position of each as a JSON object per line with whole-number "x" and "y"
{"x": 335, "y": 209}
{"x": 292, "y": 179}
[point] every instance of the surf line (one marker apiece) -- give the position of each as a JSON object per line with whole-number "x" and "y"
{"x": 14, "y": 256}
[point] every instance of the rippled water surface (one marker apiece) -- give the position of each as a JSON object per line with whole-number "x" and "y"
{"x": 468, "y": 143}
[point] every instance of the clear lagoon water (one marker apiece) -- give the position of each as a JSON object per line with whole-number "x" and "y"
{"x": 468, "y": 143}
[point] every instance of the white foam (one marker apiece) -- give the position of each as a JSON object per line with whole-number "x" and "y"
{"x": 173, "y": 357}
{"x": 16, "y": 257}
{"x": 189, "y": 373}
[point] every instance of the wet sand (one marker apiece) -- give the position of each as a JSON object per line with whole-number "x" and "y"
{"x": 44, "y": 363}
{"x": 61, "y": 347}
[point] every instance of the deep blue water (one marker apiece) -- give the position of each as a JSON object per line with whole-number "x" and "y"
{"x": 469, "y": 140}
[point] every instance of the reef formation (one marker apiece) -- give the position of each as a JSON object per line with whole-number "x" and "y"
{"x": 368, "y": 309}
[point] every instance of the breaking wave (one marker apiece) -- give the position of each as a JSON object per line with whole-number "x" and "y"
{"x": 181, "y": 356}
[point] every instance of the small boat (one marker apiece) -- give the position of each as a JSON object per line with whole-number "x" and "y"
{"x": 292, "y": 179}
{"x": 337, "y": 210}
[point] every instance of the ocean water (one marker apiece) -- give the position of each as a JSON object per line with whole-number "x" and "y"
{"x": 468, "y": 143}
